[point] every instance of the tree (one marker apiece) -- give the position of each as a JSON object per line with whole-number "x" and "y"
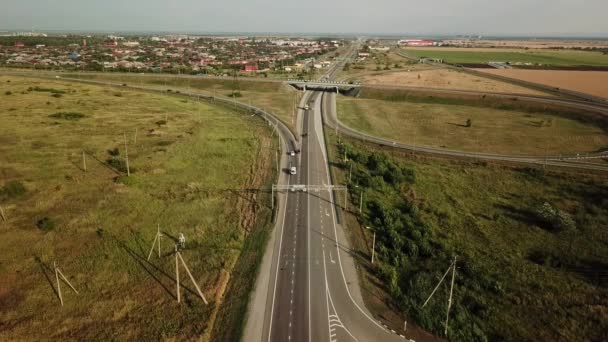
{"x": 469, "y": 123}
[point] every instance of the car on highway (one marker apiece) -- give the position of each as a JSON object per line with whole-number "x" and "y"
{"x": 292, "y": 170}
{"x": 306, "y": 107}
{"x": 292, "y": 153}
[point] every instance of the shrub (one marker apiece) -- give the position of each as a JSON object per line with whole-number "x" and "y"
{"x": 57, "y": 95}
{"x": 114, "y": 152}
{"x": 555, "y": 218}
{"x": 119, "y": 164}
{"x": 12, "y": 189}
{"x": 8, "y": 92}
{"x": 45, "y": 224}
{"x": 161, "y": 122}
{"x": 48, "y": 90}
{"x": 67, "y": 115}
{"x": 235, "y": 94}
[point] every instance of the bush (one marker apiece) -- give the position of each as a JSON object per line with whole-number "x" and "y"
{"x": 114, "y": 152}
{"x": 57, "y": 95}
{"x": 161, "y": 122}
{"x": 67, "y": 115}
{"x": 12, "y": 189}
{"x": 48, "y": 90}
{"x": 235, "y": 94}
{"x": 45, "y": 224}
{"x": 8, "y": 92}
{"x": 119, "y": 164}
{"x": 555, "y": 218}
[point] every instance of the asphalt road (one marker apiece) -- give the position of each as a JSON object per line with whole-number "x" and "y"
{"x": 315, "y": 294}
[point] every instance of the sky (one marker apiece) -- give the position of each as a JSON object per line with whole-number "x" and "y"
{"x": 407, "y": 17}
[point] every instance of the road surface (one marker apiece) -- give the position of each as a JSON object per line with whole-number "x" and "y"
{"x": 314, "y": 293}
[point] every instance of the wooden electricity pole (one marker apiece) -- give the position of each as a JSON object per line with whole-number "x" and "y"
{"x": 84, "y": 162}
{"x": 447, "y": 314}
{"x": 127, "y": 156}
{"x": 178, "y": 256}
{"x": 2, "y": 214}
{"x": 57, "y": 274}
{"x": 157, "y": 237}
{"x": 177, "y": 274}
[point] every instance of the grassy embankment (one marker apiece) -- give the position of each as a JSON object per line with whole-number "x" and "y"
{"x": 544, "y": 57}
{"x": 521, "y": 275}
{"x": 191, "y": 167}
{"x": 274, "y": 97}
{"x": 496, "y": 126}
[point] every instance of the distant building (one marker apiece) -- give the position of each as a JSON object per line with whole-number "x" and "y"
{"x": 251, "y": 67}
{"x": 74, "y": 56}
{"x": 417, "y": 42}
{"x": 19, "y": 44}
{"x": 110, "y": 43}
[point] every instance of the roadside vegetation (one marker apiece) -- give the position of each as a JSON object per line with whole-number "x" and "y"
{"x": 197, "y": 173}
{"x": 530, "y": 243}
{"x": 500, "y": 126}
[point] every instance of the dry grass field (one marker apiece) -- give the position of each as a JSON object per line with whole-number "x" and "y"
{"x": 492, "y": 130}
{"x": 445, "y": 79}
{"x": 272, "y": 96}
{"x": 194, "y": 170}
{"x": 589, "y": 82}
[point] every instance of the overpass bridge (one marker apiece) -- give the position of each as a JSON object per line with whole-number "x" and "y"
{"x": 323, "y": 84}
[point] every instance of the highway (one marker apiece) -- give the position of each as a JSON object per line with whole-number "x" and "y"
{"x": 308, "y": 278}
{"x": 313, "y": 293}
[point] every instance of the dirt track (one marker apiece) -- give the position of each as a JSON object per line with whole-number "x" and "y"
{"x": 589, "y": 82}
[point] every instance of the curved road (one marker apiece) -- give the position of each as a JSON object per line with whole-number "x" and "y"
{"x": 573, "y": 161}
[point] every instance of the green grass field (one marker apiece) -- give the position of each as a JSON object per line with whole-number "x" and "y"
{"x": 519, "y": 277}
{"x": 546, "y": 57}
{"x": 274, "y": 97}
{"x": 190, "y": 163}
{"x": 492, "y": 130}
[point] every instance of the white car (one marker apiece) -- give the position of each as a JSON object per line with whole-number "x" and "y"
{"x": 292, "y": 153}
{"x": 306, "y": 107}
{"x": 292, "y": 170}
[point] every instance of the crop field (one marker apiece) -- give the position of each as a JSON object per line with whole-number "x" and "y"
{"x": 588, "y": 82}
{"x": 530, "y": 245}
{"x": 444, "y": 124}
{"x": 194, "y": 169}
{"x": 482, "y": 56}
{"x": 445, "y": 79}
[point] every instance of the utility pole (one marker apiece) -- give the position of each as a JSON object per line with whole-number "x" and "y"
{"x": 127, "y": 156}
{"x": 447, "y": 314}
{"x": 177, "y": 274}
{"x": 361, "y": 202}
{"x": 84, "y": 162}
{"x": 374, "y": 250}
{"x": 436, "y": 287}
